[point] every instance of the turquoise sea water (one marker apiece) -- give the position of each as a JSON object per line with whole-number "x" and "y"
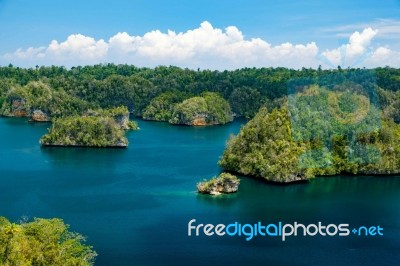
{"x": 134, "y": 204}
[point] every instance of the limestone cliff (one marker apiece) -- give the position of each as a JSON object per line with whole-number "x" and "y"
{"x": 16, "y": 107}
{"x": 40, "y": 116}
{"x": 119, "y": 114}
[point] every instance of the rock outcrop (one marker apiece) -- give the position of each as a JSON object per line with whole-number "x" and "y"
{"x": 122, "y": 120}
{"x": 119, "y": 114}
{"x": 40, "y": 116}
{"x": 199, "y": 121}
{"x": 38, "y": 101}
{"x": 224, "y": 183}
{"x": 19, "y": 107}
{"x": 16, "y": 107}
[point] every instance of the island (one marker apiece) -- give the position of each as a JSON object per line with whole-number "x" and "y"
{"x": 39, "y": 102}
{"x": 316, "y": 132}
{"x": 90, "y": 131}
{"x": 97, "y": 128}
{"x": 222, "y": 184}
{"x": 208, "y": 109}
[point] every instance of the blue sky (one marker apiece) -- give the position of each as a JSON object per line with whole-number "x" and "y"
{"x": 328, "y": 24}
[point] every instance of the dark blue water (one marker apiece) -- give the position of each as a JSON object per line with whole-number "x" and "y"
{"x": 134, "y": 204}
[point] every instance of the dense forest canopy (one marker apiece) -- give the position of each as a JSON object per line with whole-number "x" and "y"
{"x": 37, "y": 95}
{"x": 195, "y": 97}
{"x": 138, "y": 89}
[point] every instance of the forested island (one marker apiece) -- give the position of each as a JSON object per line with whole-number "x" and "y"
{"x": 328, "y": 125}
{"x": 287, "y": 108}
{"x": 95, "y": 128}
{"x": 207, "y": 109}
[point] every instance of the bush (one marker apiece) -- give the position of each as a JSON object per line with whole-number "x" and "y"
{"x": 42, "y": 242}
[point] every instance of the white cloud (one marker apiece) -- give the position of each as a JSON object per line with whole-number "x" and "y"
{"x": 359, "y": 42}
{"x": 387, "y": 29}
{"x": 123, "y": 43}
{"x": 204, "y": 47}
{"x": 355, "y": 48}
{"x": 77, "y": 46}
{"x": 383, "y": 56}
{"x": 212, "y": 47}
{"x": 28, "y": 53}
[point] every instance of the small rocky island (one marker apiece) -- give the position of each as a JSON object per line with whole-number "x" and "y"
{"x": 223, "y": 184}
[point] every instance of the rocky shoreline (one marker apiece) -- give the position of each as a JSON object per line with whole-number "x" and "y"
{"x": 223, "y": 184}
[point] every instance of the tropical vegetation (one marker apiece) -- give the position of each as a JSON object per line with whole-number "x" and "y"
{"x": 42, "y": 242}
{"x": 208, "y": 109}
{"x": 223, "y": 183}
{"x": 85, "y": 131}
{"x": 317, "y": 132}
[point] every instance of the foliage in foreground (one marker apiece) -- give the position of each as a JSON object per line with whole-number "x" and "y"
{"x": 42, "y": 242}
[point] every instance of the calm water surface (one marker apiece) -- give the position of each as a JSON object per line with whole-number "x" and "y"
{"x": 134, "y": 204}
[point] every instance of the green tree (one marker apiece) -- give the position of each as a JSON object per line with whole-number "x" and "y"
{"x": 88, "y": 131}
{"x": 161, "y": 108}
{"x": 245, "y": 101}
{"x": 42, "y": 242}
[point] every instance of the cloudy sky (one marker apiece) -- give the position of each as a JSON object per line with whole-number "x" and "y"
{"x": 201, "y": 34}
